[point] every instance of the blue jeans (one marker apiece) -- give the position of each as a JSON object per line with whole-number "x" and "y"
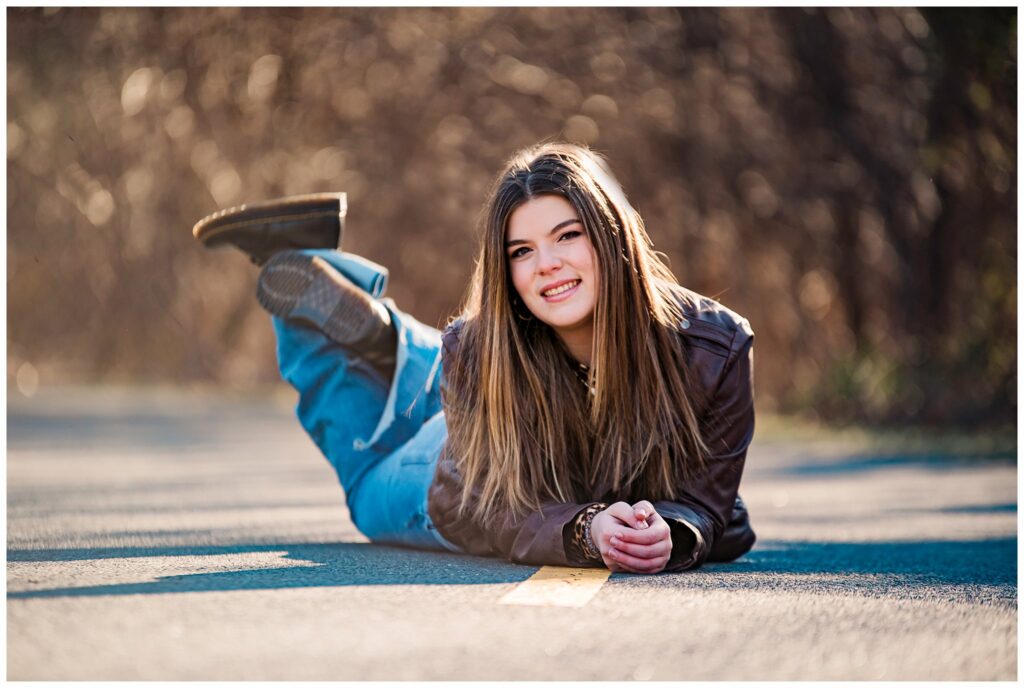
{"x": 383, "y": 437}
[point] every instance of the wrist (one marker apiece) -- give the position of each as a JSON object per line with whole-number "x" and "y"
{"x": 585, "y": 535}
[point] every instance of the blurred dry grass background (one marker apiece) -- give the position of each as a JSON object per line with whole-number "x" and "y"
{"x": 845, "y": 178}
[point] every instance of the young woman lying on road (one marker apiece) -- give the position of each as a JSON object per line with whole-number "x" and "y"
{"x": 583, "y": 409}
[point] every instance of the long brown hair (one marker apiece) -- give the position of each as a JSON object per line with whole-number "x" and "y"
{"x": 521, "y": 426}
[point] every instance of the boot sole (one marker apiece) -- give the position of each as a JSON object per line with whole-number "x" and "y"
{"x": 301, "y": 287}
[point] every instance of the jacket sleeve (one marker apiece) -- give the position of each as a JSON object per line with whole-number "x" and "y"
{"x": 700, "y": 515}
{"x": 539, "y": 538}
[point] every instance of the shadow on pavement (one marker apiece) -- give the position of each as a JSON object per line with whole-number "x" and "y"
{"x": 334, "y": 565}
{"x": 967, "y": 570}
{"x": 876, "y": 567}
{"x": 991, "y": 561}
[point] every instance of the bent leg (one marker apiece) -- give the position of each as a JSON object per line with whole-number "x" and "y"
{"x": 358, "y": 419}
{"x": 392, "y": 502}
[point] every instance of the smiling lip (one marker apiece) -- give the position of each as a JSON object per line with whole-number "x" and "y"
{"x": 562, "y": 296}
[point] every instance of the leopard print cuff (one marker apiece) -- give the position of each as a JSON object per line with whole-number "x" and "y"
{"x": 583, "y": 539}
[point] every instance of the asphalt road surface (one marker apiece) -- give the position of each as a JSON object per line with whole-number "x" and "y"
{"x": 179, "y": 537}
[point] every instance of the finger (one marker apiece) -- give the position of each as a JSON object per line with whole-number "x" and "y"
{"x": 637, "y": 565}
{"x": 642, "y": 511}
{"x": 646, "y": 554}
{"x": 622, "y": 515}
{"x": 654, "y": 568}
{"x": 658, "y": 549}
{"x": 656, "y": 533}
{"x": 612, "y": 565}
{"x": 655, "y": 518}
{"x": 623, "y": 512}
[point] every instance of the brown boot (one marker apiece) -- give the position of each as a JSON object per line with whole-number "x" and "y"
{"x": 264, "y": 229}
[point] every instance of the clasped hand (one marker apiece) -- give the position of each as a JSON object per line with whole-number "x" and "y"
{"x": 634, "y": 538}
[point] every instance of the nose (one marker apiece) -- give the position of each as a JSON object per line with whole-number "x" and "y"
{"x": 549, "y": 261}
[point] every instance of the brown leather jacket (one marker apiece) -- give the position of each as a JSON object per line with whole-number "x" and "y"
{"x": 719, "y": 344}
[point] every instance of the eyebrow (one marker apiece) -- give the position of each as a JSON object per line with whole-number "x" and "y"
{"x": 563, "y": 223}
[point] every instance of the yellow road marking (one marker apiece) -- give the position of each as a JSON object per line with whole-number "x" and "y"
{"x": 558, "y": 586}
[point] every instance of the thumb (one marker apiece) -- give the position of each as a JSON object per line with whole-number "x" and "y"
{"x": 642, "y": 510}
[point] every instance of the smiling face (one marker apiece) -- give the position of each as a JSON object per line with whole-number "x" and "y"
{"x": 554, "y": 269}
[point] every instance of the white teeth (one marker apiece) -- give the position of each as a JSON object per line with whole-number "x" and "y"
{"x": 558, "y": 290}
